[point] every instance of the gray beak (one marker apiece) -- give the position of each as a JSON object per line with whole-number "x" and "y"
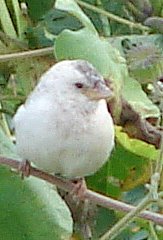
{"x": 100, "y": 91}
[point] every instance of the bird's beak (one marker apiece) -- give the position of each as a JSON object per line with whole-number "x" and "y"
{"x": 100, "y": 91}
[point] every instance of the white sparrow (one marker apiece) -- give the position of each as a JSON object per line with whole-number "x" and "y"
{"x": 64, "y": 126}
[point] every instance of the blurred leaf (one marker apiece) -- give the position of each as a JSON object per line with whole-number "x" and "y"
{"x": 136, "y": 146}
{"x": 125, "y": 171}
{"x": 135, "y": 232}
{"x": 135, "y": 196}
{"x": 119, "y": 8}
{"x": 141, "y": 235}
{"x": 123, "y": 43}
{"x": 2, "y": 47}
{"x": 28, "y": 73}
{"x": 134, "y": 95}
{"x": 6, "y": 146}
{"x": 156, "y": 23}
{"x": 37, "y": 8}
{"x": 142, "y": 7}
{"x": 99, "y": 21}
{"x": 157, "y": 6}
{"x": 6, "y": 21}
{"x": 21, "y": 23}
{"x": 105, "y": 219}
{"x": 98, "y": 181}
{"x": 37, "y": 38}
{"x": 144, "y": 61}
{"x": 72, "y": 7}
{"x": 55, "y": 21}
{"x": 31, "y": 209}
{"x": 83, "y": 44}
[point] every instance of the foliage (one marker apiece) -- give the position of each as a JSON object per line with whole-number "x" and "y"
{"x": 128, "y": 55}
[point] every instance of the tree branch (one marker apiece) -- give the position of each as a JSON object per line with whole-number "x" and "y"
{"x": 97, "y": 198}
{"x": 31, "y": 53}
{"x": 113, "y": 16}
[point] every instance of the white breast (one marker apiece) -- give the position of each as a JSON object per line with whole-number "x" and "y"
{"x": 60, "y": 141}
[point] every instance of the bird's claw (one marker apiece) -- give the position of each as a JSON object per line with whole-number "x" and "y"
{"x": 24, "y": 168}
{"x": 79, "y": 189}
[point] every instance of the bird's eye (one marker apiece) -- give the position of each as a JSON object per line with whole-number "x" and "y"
{"x": 79, "y": 85}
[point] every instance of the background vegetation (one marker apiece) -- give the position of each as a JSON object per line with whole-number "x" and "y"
{"x": 124, "y": 41}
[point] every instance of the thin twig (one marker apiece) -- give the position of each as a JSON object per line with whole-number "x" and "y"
{"x": 117, "y": 228}
{"x": 113, "y": 16}
{"x": 104, "y": 20}
{"x": 12, "y": 98}
{"x": 97, "y": 198}
{"x": 160, "y": 158}
{"x": 152, "y": 231}
{"x": 31, "y": 53}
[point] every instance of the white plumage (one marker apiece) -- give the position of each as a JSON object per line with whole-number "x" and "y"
{"x": 64, "y": 126}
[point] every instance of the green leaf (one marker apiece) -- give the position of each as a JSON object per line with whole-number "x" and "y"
{"x": 126, "y": 170}
{"x": 37, "y": 8}
{"x": 105, "y": 219}
{"x": 56, "y": 21}
{"x": 134, "y": 95}
{"x": 37, "y": 38}
{"x": 31, "y": 209}
{"x": 157, "y": 6}
{"x": 5, "y": 20}
{"x": 122, "y": 158}
{"x": 21, "y": 24}
{"x": 72, "y": 7}
{"x": 28, "y": 72}
{"x": 141, "y": 235}
{"x": 97, "y": 181}
{"x": 136, "y": 146}
{"x": 83, "y": 44}
{"x": 6, "y": 146}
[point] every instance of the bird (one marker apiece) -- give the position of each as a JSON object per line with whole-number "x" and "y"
{"x": 64, "y": 126}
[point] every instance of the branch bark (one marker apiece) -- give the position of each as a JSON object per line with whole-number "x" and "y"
{"x": 25, "y": 54}
{"x": 97, "y": 198}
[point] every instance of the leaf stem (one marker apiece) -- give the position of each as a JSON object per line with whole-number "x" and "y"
{"x": 31, "y": 53}
{"x": 117, "y": 228}
{"x": 160, "y": 158}
{"x": 152, "y": 231}
{"x": 113, "y": 16}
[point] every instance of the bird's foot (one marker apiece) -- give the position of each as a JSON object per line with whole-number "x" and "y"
{"x": 24, "y": 168}
{"x": 80, "y": 188}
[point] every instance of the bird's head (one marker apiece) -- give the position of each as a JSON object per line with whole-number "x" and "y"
{"x": 78, "y": 78}
{"x": 90, "y": 83}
